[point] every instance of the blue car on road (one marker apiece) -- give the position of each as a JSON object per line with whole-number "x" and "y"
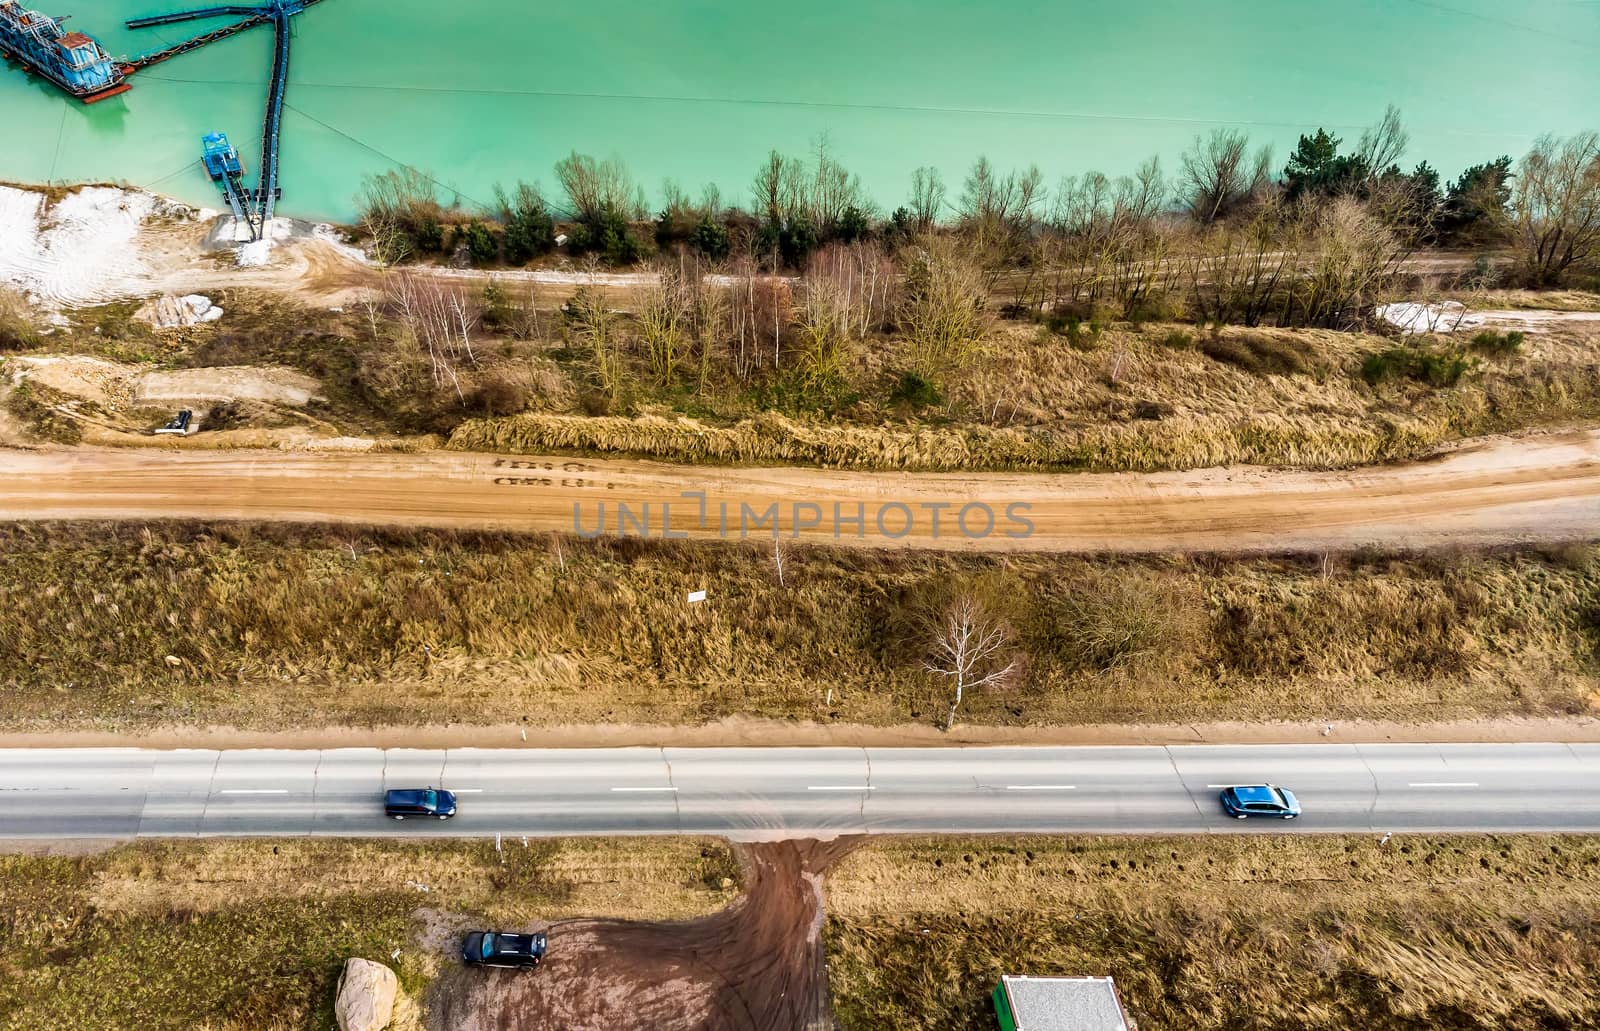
{"x": 419, "y": 802}
{"x": 1246, "y": 800}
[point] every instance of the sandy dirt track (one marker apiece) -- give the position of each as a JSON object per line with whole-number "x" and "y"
{"x": 756, "y": 964}
{"x": 1499, "y": 490}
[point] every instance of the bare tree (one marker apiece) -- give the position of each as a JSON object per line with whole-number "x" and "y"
{"x": 440, "y": 319}
{"x": 927, "y": 197}
{"x": 779, "y": 188}
{"x": 1237, "y": 269}
{"x": 391, "y": 244}
{"x": 1107, "y": 240}
{"x": 1382, "y": 145}
{"x": 833, "y": 190}
{"x": 1219, "y": 174}
{"x": 666, "y": 315}
{"x": 1352, "y": 254}
{"x": 593, "y": 186}
{"x": 943, "y": 315}
{"x": 969, "y": 645}
{"x": 591, "y": 320}
{"x": 999, "y": 212}
{"x": 1557, "y": 206}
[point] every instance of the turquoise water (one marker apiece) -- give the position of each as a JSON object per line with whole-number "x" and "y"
{"x": 484, "y": 92}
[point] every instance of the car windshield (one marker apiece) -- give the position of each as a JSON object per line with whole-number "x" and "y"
{"x": 488, "y": 946}
{"x": 430, "y": 798}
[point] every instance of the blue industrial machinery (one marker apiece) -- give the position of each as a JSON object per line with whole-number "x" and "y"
{"x": 224, "y": 167}
{"x": 252, "y": 206}
{"x": 81, "y": 66}
{"x": 75, "y": 62}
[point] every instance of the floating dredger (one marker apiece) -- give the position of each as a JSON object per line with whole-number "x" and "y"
{"x": 80, "y": 65}
{"x": 73, "y": 61}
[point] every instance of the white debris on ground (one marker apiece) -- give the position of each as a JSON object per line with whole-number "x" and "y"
{"x": 1415, "y": 317}
{"x": 331, "y": 236}
{"x": 169, "y": 312}
{"x": 253, "y": 253}
{"x": 79, "y": 250}
{"x": 1453, "y": 316}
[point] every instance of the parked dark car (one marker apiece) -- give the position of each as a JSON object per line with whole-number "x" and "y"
{"x": 419, "y": 803}
{"x": 1245, "y": 800}
{"x": 497, "y": 949}
{"x": 178, "y": 423}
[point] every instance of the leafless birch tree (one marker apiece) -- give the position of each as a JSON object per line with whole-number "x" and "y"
{"x": 969, "y": 646}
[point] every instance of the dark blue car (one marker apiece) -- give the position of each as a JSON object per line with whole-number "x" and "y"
{"x": 1244, "y": 800}
{"x": 498, "y": 949}
{"x": 419, "y": 803}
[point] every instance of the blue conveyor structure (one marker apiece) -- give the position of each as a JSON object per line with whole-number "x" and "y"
{"x": 258, "y": 204}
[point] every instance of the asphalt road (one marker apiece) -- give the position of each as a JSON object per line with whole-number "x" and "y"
{"x": 763, "y": 794}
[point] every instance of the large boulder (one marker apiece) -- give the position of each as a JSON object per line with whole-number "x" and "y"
{"x": 366, "y": 996}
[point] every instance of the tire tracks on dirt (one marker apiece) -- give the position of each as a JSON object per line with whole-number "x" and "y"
{"x": 1536, "y": 488}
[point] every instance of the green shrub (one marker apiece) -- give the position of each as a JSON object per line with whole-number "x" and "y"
{"x": 1079, "y": 336}
{"x": 1491, "y": 342}
{"x": 1435, "y": 368}
{"x": 529, "y": 235}
{"x": 916, "y": 392}
{"x": 1257, "y": 355}
{"x": 710, "y": 238}
{"x": 1177, "y": 340}
{"x": 482, "y": 247}
{"x": 609, "y": 235}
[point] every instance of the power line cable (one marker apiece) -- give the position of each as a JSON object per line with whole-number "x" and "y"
{"x": 1491, "y": 19}
{"x": 397, "y": 162}
{"x": 837, "y": 105}
{"x": 152, "y": 184}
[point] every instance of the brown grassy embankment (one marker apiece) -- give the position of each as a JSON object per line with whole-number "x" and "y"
{"x": 1318, "y": 933}
{"x": 251, "y": 935}
{"x": 1122, "y": 398}
{"x": 1097, "y": 396}
{"x": 120, "y": 627}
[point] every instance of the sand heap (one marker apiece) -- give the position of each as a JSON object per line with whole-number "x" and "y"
{"x": 169, "y": 312}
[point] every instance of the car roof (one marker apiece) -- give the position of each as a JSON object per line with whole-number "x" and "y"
{"x": 1257, "y": 793}
{"x": 513, "y": 943}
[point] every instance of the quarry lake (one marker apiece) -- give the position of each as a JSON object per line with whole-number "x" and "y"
{"x": 479, "y": 92}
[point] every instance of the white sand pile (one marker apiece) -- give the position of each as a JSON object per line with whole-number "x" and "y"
{"x": 331, "y": 236}
{"x": 254, "y": 254}
{"x": 169, "y": 312}
{"x": 1415, "y": 317}
{"x": 1453, "y": 316}
{"x": 81, "y": 250}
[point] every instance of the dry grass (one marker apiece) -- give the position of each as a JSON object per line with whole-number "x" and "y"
{"x": 251, "y": 934}
{"x": 275, "y": 627}
{"x": 1117, "y": 396}
{"x": 1147, "y": 398}
{"x": 1226, "y": 932}
{"x": 18, "y": 329}
{"x": 626, "y": 878}
{"x": 1532, "y": 300}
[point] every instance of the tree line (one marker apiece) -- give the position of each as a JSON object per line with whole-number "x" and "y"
{"x": 1228, "y": 222}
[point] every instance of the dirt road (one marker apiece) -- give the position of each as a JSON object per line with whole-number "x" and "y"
{"x": 756, "y": 964}
{"x": 1537, "y": 488}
